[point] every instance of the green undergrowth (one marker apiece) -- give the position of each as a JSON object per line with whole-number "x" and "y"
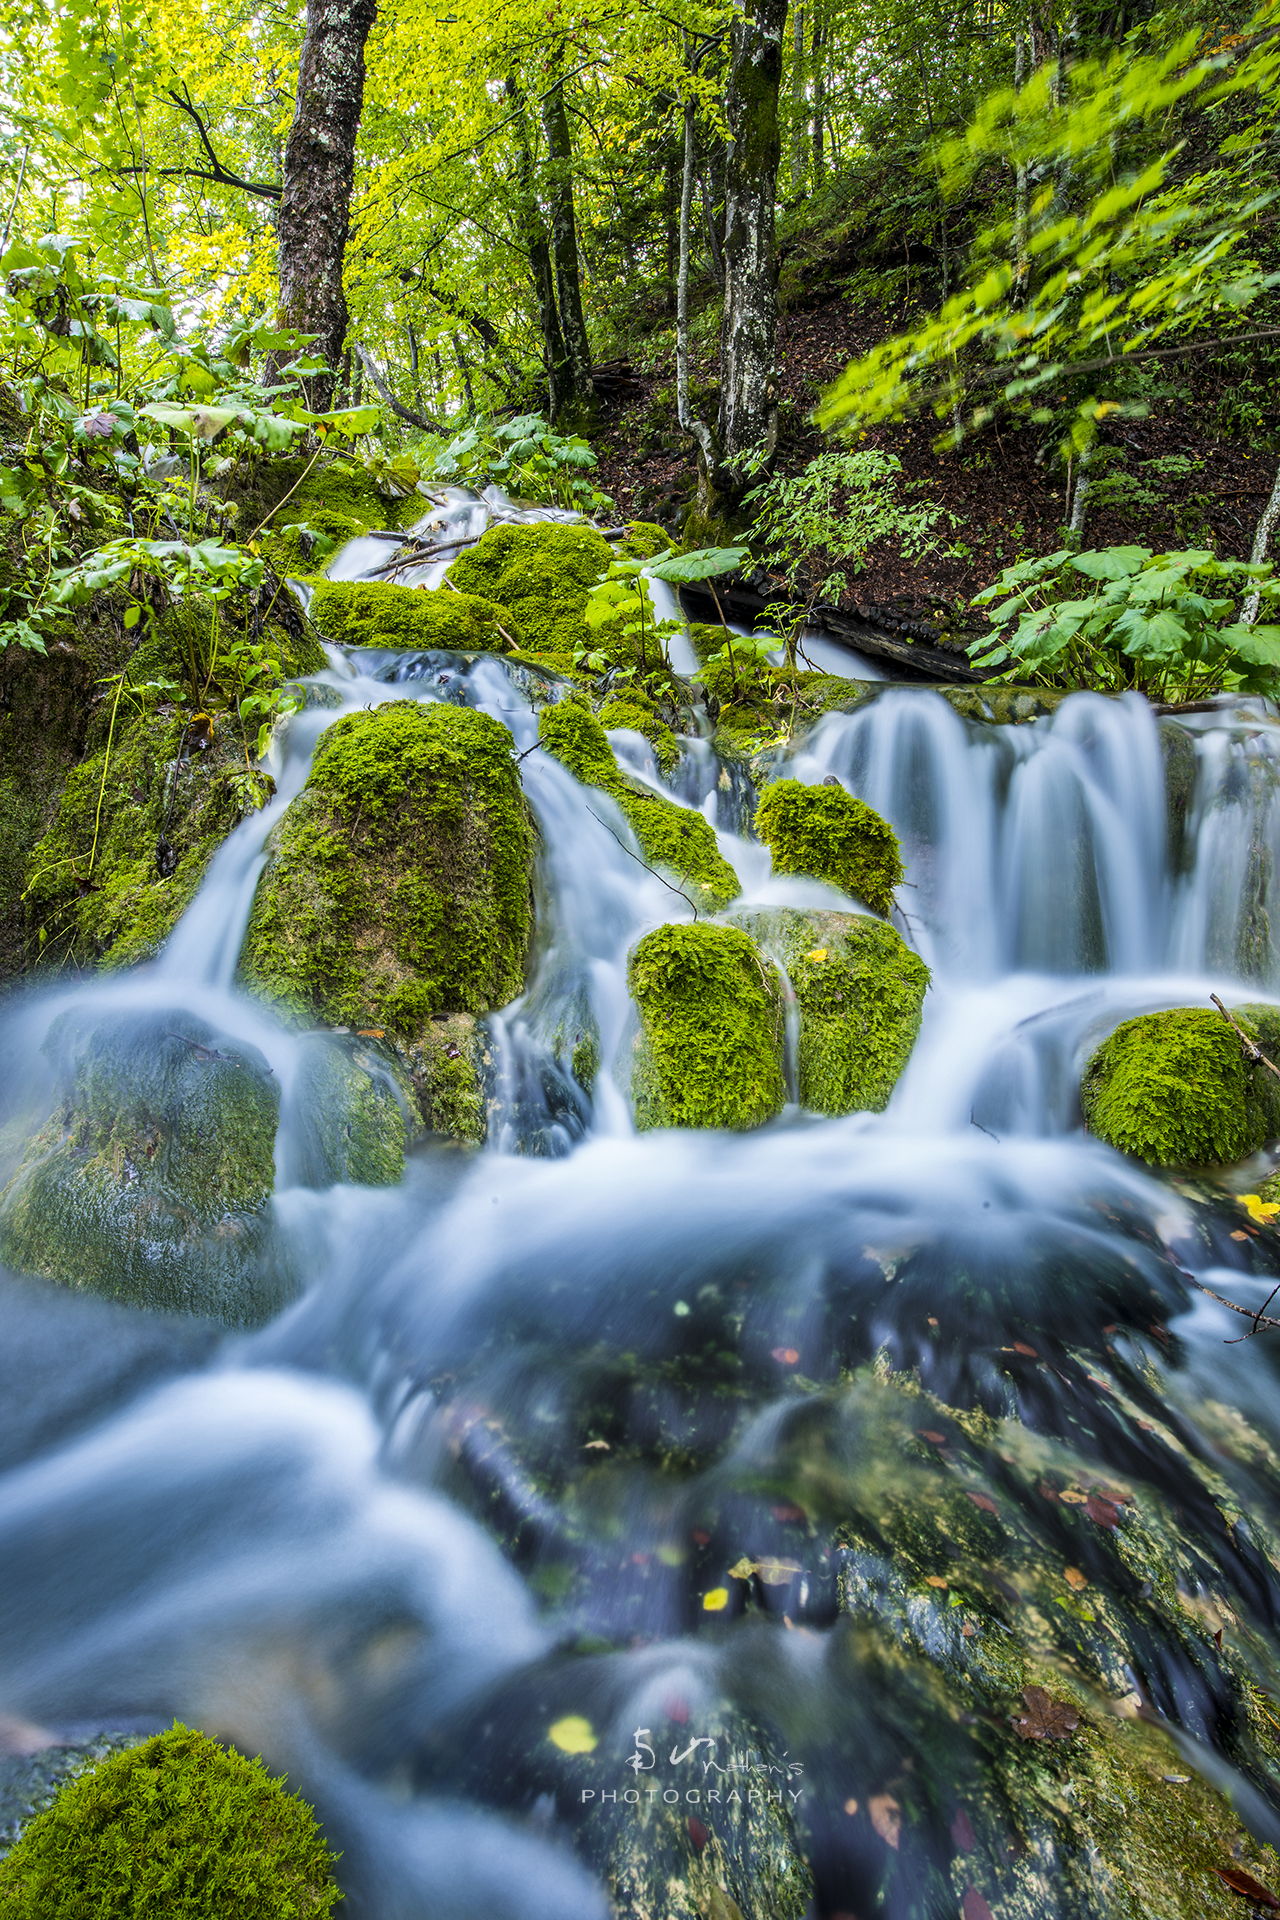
{"x": 860, "y": 991}
{"x": 1175, "y": 1089}
{"x": 826, "y": 833}
{"x": 709, "y": 1053}
{"x": 178, "y": 1828}
{"x": 672, "y": 837}
{"x": 367, "y": 613}
{"x": 398, "y": 885}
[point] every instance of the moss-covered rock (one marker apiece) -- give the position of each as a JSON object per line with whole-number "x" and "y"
{"x": 860, "y": 991}
{"x": 367, "y": 613}
{"x": 176, "y": 1825}
{"x": 543, "y": 573}
{"x": 348, "y": 1115}
{"x": 335, "y": 501}
{"x": 398, "y": 888}
{"x": 1175, "y": 1088}
{"x": 826, "y": 833}
{"x": 710, "y": 1047}
{"x": 151, "y": 1182}
{"x": 449, "y": 1062}
{"x": 673, "y": 837}
{"x": 631, "y": 708}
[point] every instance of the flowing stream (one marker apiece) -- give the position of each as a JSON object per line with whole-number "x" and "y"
{"x": 491, "y": 1470}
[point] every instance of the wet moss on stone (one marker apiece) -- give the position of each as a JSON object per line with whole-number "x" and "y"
{"x": 1175, "y": 1089}
{"x": 860, "y": 991}
{"x": 672, "y": 837}
{"x": 151, "y": 1182}
{"x": 349, "y": 1111}
{"x": 826, "y": 833}
{"x": 450, "y": 1065}
{"x": 543, "y": 573}
{"x": 398, "y": 885}
{"x": 177, "y": 1825}
{"x": 337, "y": 504}
{"x": 368, "y": 613}
{"x": 709, "y": 1053}
{"x": 630, "y": 708}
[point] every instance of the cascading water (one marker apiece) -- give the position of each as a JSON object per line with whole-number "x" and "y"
{"x": 567, "y": 1458}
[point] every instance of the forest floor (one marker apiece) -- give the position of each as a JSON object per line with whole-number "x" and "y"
{"x": 1182, "y": 473}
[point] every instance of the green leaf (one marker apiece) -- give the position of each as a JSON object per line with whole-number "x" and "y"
{"x": 703, "y": 564}
{"x": 1112, "y": 563}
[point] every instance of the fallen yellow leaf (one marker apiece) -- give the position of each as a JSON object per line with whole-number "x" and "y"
{"x": 716, "y": 1601}
{"x": 1259, "y": 1209}
{"x": 1074, "y": 1578}
{"x": 886, "y": 1818}
{"x": 573, "y": 1734}
{"x": 818, "y": 953}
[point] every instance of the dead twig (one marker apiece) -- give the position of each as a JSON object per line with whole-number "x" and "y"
{"x": 644, "y": 863}
{"x": 1259, "y": 1319}
{"x": 1252, "y": 1051}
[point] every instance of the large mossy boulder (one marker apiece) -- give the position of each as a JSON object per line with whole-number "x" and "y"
{"x": 151, "y": 1182}
{"x": 709, "y": 1052}
{"x": 1175, "y": 1088}
{"x": 368, "y": 613}
{"x": 860, "y": 991}
{"x": 177, "y": 1825}
{"x": 398, "y": 890}
{"x": 672, "y": 837}
{"x": 825, "y": 833}
{"x": 336, "y": 503}
{"x": 543, "y": 573}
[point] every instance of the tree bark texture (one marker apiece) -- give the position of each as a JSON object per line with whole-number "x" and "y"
{"x": 1261, "y": 541}
{"x": 748, "y": 333}
{"x": 797, "y": 100}
{"x": 319, "y": 167}
{"x": 564, "y": 241}
{"x": 555, "y": 357}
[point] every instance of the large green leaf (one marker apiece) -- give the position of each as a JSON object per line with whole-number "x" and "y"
{"x": 1111, "y": 563}
{"x": 702, "y": 564}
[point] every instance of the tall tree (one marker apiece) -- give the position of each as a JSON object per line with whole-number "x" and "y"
{"x": 564, "y": 240}
{"x": 319, "y": 166}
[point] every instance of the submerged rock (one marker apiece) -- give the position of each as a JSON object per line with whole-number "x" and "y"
{"x": 1175, "y": 1088}
{"x": 710, "y": 1047}
{"x": 368, "y": 613}
{"x": 398, "y": 889}
{"x": 672, "y": 837}
{"x": 860, "y": 991}
{"x": 151, "y": 1183}
{"x": 825, "y": 833}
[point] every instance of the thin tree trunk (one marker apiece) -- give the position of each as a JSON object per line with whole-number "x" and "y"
{"x": 797, "y": 101}
{"x": 1076, "y": 525}
{"x": 689, "y": 423}
{"x": 1261, "y": 541}
{"x": 819, "y": 98}
{"x": 564, "y": 240}
{"x": 1020, "y": 182}
{"x": 319, "y": 167}
{"x": 555, "y": 357}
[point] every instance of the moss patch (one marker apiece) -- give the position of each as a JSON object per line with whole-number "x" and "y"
{"x": 152, "y": 1180}
{"x": 673, "y": 837}
{"x": 860, "y": 991}
{"x": 709, "y": 1053}
{"x": 630, "y": 708}
{"x": 826, "y": 833}
{"x": 543, "y": 573}
{"x": 1174, "y": 1088}
{"x": 398, "y": 885}
{"x": 366, "y": 613}
{"x": 177, "y": 1826}
{"x": 337, "y": 501}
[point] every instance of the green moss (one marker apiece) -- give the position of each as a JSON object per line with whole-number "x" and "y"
{"x": 860, "y": 991}
{"x": 366, "y": 613}
{"x": 398, "y": 884}
{"x": 823, "y": 831}
{"x": 175, "y": 1827}
{"x": 630, "y": 710}
{"x": 709, "y": 1053}
{"x": 543, "y": 573}
{"x": 449, "y": 1062}
{"x": 670, "y": 836}
{"x": 1174, "y": 1089}
{"x": 346, "y": 1107}
{"x": 152, "y": 1180}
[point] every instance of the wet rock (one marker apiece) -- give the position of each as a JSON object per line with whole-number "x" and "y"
{"x": 398, "y": 889}
{"x": 1176, "y": 1089}
{"x": 1178, "y": 749}
{"x": 349, "y": 1113}
{"x": 151, "y": 1182}
{"x": 860, "y": 991}
{"x": 32, "y": 1781}
{"x": 673, "y": 838}
{"x": 369, "y": 613}
{"x": 825, "y": 833}
{"x": 710, "y": 1048}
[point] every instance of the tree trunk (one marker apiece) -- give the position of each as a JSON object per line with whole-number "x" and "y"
{"x": 1261, "y": 541}
{"x": 748, "y": 332}
{"x": 819, "y": 99}
{"x": 797, "y": 101}
{"x": 555, "y": 357}
{"x": 564, "y": 240}
{"x": 319, "y": 167}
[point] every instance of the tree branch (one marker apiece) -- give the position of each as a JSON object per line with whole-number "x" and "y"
{"x": 385, "y": 393}
{"x": 222, "y": 175}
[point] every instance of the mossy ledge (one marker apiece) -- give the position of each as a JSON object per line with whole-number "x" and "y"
{"x": 709, "y": 1051}
{"x": 672, "y": 837}
{"x": 369, "y": 613}
{"x": 860, "y": 991}
{"x": 543, "y": 573}
{"x": 825, "y": 833}
{"x": 398, "y": 888}
{"x": 1175, "y": 1089}
{"x": 178, "y": 1827}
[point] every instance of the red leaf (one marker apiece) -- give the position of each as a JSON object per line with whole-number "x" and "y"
{"x": 1020, "y": 1346}
{"x": 787, "y": 1512}
{"x": 934, "y": 1439}
{"x": 974, "y": 1907}
{"x": 1101, "y": 1511}
{"x": 1244, "y": 1883}
{"x": 699, "y": 1538}
{"x": 963, "y": 1838}
{"x": 676, "y": 1709}
{"x": 985, "y": 1501}
{"x": 697, "y": 1832}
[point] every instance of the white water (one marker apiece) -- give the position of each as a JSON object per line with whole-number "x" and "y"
{"x": 284, "y": 1542}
